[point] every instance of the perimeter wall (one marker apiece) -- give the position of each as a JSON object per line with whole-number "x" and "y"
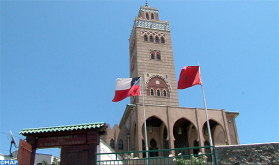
{"x": 266, "y": 153}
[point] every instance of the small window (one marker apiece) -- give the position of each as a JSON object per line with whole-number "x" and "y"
{"x": 152, "y": 16}
{"x": 151, "y": 39}
{"x": 145, "y": 37}
{"x": 162, "y": 40}
{"x": 147, "y": 16}
{"x": 112, "y": 143}
{"x": 151, "y": 92}
{"x": 158, "y": 57}
{"x": 157, "y": 39}
{"x": 158, "y": 92}
{"x": 152, "y": 56}
{"x": 165, "y": 93}
{"x": 120, "y": 145}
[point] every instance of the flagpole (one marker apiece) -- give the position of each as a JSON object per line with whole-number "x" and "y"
{"x": 145, "y": 132}
{"x": 208, "y": 126}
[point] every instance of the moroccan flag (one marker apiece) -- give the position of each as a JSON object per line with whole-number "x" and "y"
{"x": 189, "y": 76}
{"x": 126, "y": 87}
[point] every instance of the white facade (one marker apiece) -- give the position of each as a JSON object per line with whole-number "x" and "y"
{"x": 104, "y": 148}
{"x": 38, "y": 159}
{"x": 49, "y": 158}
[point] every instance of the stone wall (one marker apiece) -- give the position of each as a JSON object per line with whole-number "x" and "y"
{"x": 267, "y": 153}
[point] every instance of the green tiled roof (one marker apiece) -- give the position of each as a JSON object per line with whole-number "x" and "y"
{"x": 61, "y": 128}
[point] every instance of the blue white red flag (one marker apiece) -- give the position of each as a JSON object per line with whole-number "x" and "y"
{"x": 126, "y": 87}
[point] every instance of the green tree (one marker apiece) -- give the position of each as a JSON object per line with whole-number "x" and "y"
{"x": 55, "y": 161}
{"x": 44, "y": 162}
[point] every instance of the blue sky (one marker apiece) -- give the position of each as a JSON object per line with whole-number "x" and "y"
{"x": 60, "y": 60}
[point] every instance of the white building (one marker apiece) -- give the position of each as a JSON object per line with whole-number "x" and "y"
{"x": 40, "y": 157}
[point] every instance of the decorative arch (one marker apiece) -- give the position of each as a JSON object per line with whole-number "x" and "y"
{"x": 158, "y": 85}
{"x": 181, "y": 134}
{"x": 217, "y": 132}
{"x": 154, "y": 121}
{"x": 154, "y": 54}
{"x": 161, "y": 36}
{"x": 168, "y": 87}
{"x": 156, "y": 129}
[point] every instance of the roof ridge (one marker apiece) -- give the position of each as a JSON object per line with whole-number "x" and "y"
{"x": 62, "y": 128}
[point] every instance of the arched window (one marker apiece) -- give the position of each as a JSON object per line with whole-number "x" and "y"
{"x": 162, "y": 40}
{"x": 151, "y": 92}
{"x": 152, "y": 16}
{"x": 158, "y": 57}
{"x": 165, "y": 93}
{"x": 158, "y": 92}
{"x": 152, "y": 56}
{"x": 112, "y": 143}
{"x": 120, "y": 145}
{"x": 151, "y": 39}
{"x": 145, "y": 37}
{"x": 157, "y": 39}
{"x": 147, "y": 16}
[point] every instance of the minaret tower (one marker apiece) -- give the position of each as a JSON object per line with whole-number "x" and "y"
{"x": 151, "y": 57}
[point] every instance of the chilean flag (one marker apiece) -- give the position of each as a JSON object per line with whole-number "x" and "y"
{"x": 126, "y": 87}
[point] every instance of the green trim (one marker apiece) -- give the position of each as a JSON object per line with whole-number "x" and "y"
{"x": 64, "y": 128}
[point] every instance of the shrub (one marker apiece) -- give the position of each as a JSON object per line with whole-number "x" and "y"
{"x": 199, "y": 160}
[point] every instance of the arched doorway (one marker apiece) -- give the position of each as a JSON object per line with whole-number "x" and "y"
{"x": 181, "y": 135}
{"x": 156, "y": 135}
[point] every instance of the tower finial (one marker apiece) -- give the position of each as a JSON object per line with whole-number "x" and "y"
{"x": 146, "y": 4}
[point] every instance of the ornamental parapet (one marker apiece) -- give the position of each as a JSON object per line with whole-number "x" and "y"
{"x": 148, "y": 9}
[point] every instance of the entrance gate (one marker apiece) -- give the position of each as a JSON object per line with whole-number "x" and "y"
{"x": 78, "y": 143}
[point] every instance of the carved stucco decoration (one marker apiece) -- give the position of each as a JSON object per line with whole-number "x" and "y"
{"x": 157, "y": 76}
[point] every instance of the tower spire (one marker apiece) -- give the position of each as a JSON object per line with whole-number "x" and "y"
{"x": 146, "y": 4}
